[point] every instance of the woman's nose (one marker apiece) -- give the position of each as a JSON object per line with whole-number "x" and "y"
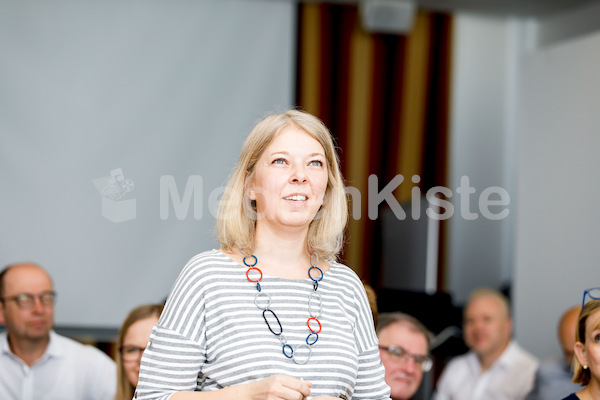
{"x": 299, "y": 175}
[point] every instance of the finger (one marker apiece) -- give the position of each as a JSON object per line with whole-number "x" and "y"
{"x": 307, "y": 383}
{"x": 287, "y": 393}
{"x": 305, "y": 388}
{"x": 298, "y": 386}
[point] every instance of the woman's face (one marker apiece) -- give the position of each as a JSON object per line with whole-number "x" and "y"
{"x": 290, "y": 181}
{"x": 134, "y": 342}
{"x": 588, "y": 353}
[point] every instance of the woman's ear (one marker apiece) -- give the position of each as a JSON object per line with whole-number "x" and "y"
{"x": 248, "y": 186}
{"x": 580, "y": 353}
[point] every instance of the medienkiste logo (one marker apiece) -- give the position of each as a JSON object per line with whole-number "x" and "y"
{"x": 117, "y": 202}
{"x": 442, "y": 203}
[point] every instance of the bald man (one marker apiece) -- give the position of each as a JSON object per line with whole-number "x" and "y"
{"x": 35, "y": 362}
{"x": 554, "y": 378}
{"x": 495, "y": 367}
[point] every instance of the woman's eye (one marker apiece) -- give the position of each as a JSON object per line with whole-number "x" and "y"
{"x": 316, "y": 163}
{"x": 279, "y": 161}
{"x": 597, "y": 338}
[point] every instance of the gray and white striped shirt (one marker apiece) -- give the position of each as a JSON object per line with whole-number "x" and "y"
{"x": 211, "y": 334}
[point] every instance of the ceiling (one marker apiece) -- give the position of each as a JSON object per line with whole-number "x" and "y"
{"x": 520, "y": 8}
{"x": 523, "y": 8}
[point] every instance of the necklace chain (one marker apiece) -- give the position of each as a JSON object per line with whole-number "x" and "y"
{"x": 262, "y": 300}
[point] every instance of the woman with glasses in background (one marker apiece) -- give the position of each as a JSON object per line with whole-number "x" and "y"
{"x": 586, "y": 364}
{"x": 133, "y": 338}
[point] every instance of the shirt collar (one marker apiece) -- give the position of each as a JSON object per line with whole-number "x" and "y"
{"x": 504, "y": 361}
{"x": 508, "y": 357}
{"x": 54, "y": 348}
{"x": 4, "y": 348}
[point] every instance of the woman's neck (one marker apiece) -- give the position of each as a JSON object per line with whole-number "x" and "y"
{"x": 283, "y": 260}
{"x": 591, "y": 391}
{"x": 291, "y": 241}
{"x": 282, "y": 254}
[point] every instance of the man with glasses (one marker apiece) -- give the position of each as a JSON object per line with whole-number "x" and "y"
{"x": 35, "y": 362}
{"x": 495, "y": 367}
{"x": 404, "y": 349}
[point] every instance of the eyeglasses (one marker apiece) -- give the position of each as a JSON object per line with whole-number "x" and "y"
{"x": 398, "y": 352}
{"x": 594, "y": 294}
{"x": 131, "y": 353}
{"x": 26, "y": 301}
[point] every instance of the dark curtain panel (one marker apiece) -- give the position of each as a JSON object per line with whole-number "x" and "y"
{"x": 386, "y": 100}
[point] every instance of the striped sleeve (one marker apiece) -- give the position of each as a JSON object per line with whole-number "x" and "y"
{"x": 370, "y": 380}
{"x": 177, "y": 347}
{"x": 170, "y": 364}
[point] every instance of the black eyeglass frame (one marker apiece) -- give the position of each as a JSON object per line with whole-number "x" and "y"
{"x": 423, "y": 360}
{"x": 30, "y": 298}
{"x": 127, "y": 349}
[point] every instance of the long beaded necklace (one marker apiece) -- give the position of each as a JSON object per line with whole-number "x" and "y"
{"x": 261, "y": 298}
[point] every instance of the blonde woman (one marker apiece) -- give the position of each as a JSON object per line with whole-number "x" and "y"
{"x": 133, "y": 338}
{"x": 271, "y": 314}
{"x": 586, "y": 363}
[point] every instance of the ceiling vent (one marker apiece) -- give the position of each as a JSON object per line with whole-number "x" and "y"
{"x": 387, "y": 16}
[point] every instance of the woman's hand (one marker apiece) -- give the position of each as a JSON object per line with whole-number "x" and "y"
{"x": 275, "y": 387}
{"x": 280, "y": 387}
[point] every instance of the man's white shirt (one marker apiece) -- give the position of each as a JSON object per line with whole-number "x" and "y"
{"x": 511, "y": 377}
{"x": 68, "y": 370}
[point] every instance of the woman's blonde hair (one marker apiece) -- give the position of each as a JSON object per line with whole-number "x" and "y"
{"x": 581, "y": 375}
{"x": 236, "y": 217}
{"x": 124, "y": 388}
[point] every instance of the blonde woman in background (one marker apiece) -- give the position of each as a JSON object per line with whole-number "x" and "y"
{"x": 133, "y": 338}
{"x": 586, "y": 365}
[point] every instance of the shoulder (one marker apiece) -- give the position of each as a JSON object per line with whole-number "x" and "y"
{"x": 345, "y": 283}
{"x": 554, "y": 366}
{"x": 209, "y": 257}
{"x": 523, "y": 357}
{"x": 206, "y": 263}
{"x": 462, "y": 360}
{"x": 460, "y": 363}
{"x": 65, "y": 343}
{"x": 201, "y": 275}
{"x": 454, "y": 374}
{"x": 572, "y": 396}
{"x": 343, "y": 274}
{"x": 72, "y": 348}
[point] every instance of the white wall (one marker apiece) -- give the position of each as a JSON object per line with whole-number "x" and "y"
{"x": 479, "y": 149}
{"x": 558, "y": 225}
{"x": 525, "y": 116}
{"x": 153, "y": 87}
